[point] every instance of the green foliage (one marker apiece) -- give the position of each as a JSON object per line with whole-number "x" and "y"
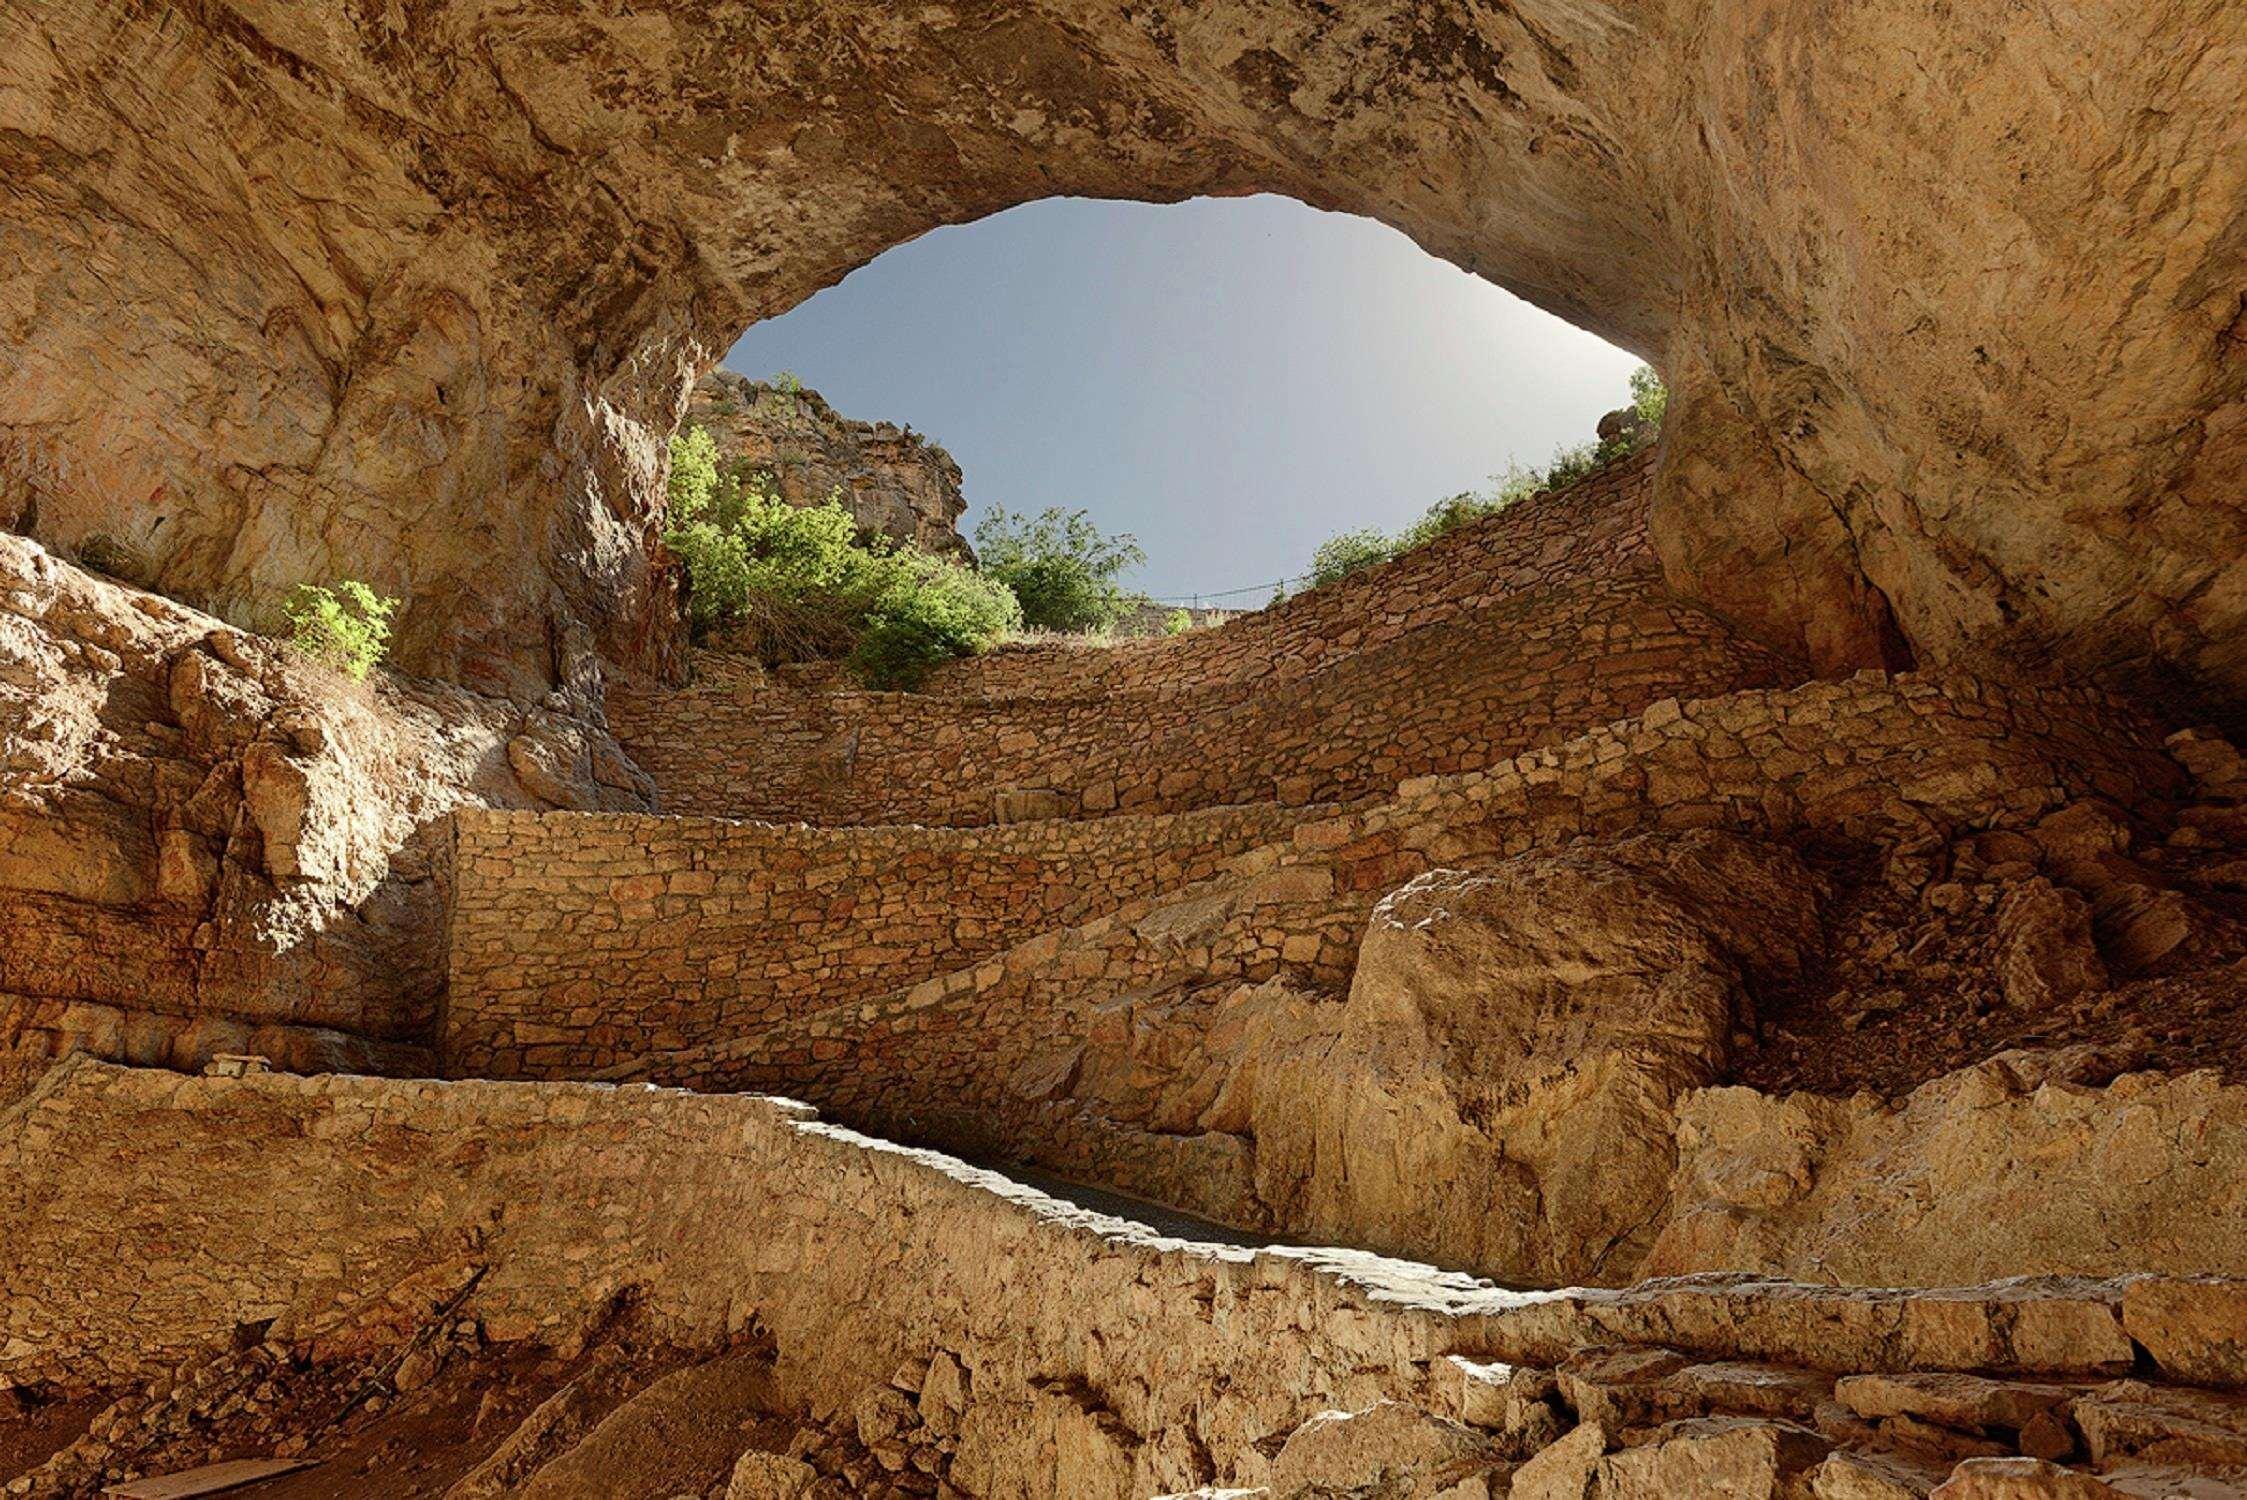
{"x": 793, "y": 583}
{"x": 787, "y": 387}
{"x": 1446, "y": 516}
{"x": 346, "y": 627}
{"x": 1061, "y": 567}
{"x": 1178, "y": 622}
{"x": 1649, "y": 397}
{"x": 931, "y": 611}
{"x": 1340, "y": 556}
{"x": 1351, "y": 552}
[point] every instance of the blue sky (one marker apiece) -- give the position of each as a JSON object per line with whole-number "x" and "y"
{"x": 1232, "y": 381}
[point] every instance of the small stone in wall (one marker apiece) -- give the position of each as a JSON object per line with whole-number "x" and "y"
{"x": 1029, "y": 805}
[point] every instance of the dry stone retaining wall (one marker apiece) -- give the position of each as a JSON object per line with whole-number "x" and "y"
{"x": 1872, "y": 756}
{"x": 1090, "y": 1357}
{"x": 1512, "y": 632}
{"x": 578, "y": 939}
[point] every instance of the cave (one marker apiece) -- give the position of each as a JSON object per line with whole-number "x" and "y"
{"x": 1951, "y": 311}
{"x": 1720, "y": 977}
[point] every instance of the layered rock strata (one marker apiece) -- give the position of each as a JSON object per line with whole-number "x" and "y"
{"x": 393, "y": 293}
{"x": 894, "y": 482}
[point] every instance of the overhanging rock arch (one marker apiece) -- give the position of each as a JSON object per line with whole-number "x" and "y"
{"x": 412, "y": 292}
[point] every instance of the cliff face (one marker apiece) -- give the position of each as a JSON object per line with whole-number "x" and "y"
{"x": 208, "y": 844}
{"x": 892, "y": 479}
{"x": 1950, "y": 301}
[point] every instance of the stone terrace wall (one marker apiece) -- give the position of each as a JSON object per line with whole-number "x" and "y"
{"x": 1518, "y": 630}
{"x": 578, "y": 939}
{"x": 1098, "y": 1360}
{"x": 966, "y": 1057}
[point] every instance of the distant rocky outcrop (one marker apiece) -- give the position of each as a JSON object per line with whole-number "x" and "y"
{"x": 895, "y": 481}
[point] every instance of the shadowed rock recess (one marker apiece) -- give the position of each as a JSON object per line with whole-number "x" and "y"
{"x": 1729, "y": 979}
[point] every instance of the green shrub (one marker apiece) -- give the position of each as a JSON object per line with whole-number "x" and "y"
{"x": 1446, "y": 516}
{"x": 795, "y": 583}
{"x": 346, "y": 627}
{"x": 1351, "y": 552}
{"x": 1178, "y": 622}
{"x": 1061, "y": 567}
{"x": 930, "y": 611}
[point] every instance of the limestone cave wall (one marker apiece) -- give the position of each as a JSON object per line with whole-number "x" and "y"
{"x": 1950, "y": 303}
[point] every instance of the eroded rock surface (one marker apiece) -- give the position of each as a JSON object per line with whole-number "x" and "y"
{"x": 394, "y": 293}
{"x": 210, "y": 845}
{"x": 1499, "y": 1086}
{"x": 562, "y": 1290}
{"x": 893, "y": 481}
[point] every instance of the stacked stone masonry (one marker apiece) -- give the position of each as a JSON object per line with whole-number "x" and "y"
{"x": 1510, "y": 633}
{"x": 1871, "y": 757}
{"x": 590, "y": 938}
{"x": 1074, "y": 1355}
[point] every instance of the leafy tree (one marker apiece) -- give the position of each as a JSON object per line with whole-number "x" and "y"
{"x": 346, "y": 627}
{"x": 1060, "y": 566}
{"x": 931, "y": 611}
{"x": 1649, "y": 396}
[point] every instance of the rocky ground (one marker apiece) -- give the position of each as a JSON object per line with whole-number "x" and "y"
{"x": 1007, "y": 1343}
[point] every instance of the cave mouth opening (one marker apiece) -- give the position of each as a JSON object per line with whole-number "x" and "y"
{"x": 1234, "y": 382}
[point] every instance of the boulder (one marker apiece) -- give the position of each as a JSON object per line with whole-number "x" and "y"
{"x": 1738, "y": 1457}
{"x": 2045, "y": 953}
{"x": 1500, "y": 1090}
{"x": 1566, "y": 1470}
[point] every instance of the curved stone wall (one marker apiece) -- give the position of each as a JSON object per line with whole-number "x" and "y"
{"x": 577, "y": 940}
{"x": 1512, "y": 632}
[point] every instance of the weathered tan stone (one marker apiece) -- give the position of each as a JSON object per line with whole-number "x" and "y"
{"x": 1858, "y": 1476}
{"x": 1997, "y": 1170}
{"x": 1567, "y": 1470}
{"x": 1388, "y": 1449}
{"x": 1752, "y": 1459}
{"x": 480, "y": 358}
{"x": 2133, "y": 1422}
{"x": 1953, "y": 1400}
{"x": 2195, "y": 1327}
{"x": 770, "y": 1476}
{"x": 894, "y": 483}
{"x": 2045, "y": 953}
{"x": 2020, "y": 1479}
